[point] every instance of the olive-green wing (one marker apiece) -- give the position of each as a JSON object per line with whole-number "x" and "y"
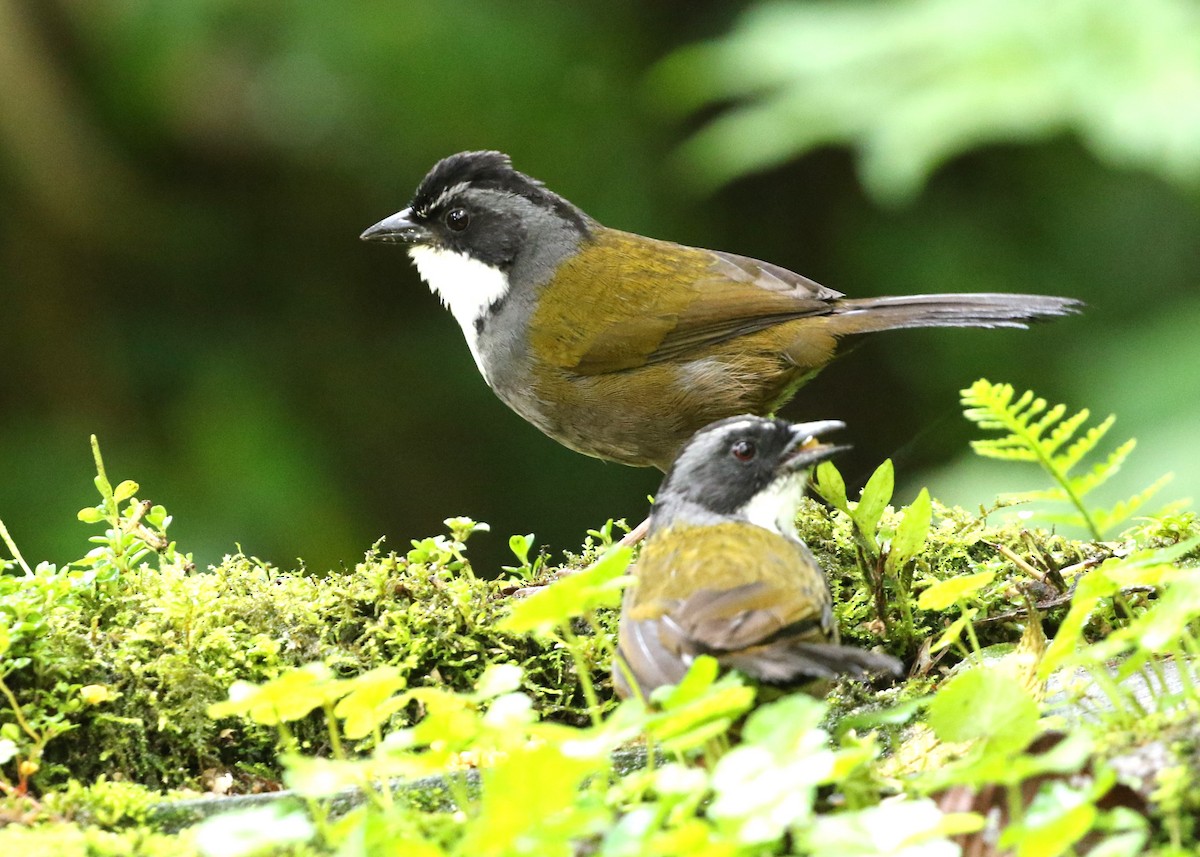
{"x": 654, "y": 301}
{"x": 731, "y": 586}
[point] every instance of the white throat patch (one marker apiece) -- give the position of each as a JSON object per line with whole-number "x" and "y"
{"x": 466, "y": 286}
{"x": 774, "y": 508}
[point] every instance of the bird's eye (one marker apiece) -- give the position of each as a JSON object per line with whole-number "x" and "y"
{"x": 744, "y": 450}
{"x": 457, "y": 219}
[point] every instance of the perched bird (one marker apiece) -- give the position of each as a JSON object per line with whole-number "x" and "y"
{"x": 621, "y": 346}
{"x": 723, "y": 572}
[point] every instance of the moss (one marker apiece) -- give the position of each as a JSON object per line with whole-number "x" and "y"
{"x": 158, "y": 646}
{"x": 68, "y": 839}
{"x": 166, "y": 643}
{"x": 169, "y": 643}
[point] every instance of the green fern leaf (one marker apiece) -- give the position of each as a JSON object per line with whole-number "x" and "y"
{"x": 1082, "y": 446}
{"x": 1043, "y": 433}
{"x": 1065, "y": 430}
{"x": 1127, "y": 508}
{"x": 1100, "y": 472}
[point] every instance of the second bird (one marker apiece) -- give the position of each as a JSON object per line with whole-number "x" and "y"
{"x": 724, "y": 573}
{"x": 621, "y": 346}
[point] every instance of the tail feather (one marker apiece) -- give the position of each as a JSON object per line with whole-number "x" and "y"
{"x": 795, "y": 662}
{"x": 866, "y": 315}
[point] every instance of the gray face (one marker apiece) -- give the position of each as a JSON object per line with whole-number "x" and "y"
{"x": 485, "y": 238}
{"x": 725, "y": 464}
{"x": 742, "y": 467}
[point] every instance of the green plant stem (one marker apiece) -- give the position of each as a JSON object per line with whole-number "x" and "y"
{"x": 1150, "y": 661}
{"x": 905, "y": 608}
{"x": 335, "y": 736}
{"x": 14, "y": 550}
{"x": 457, "y": 786}
{"x": 21, "y": 721}
{"x": 105, "y": 487}
{"x": 970, "y": 629}
{"x": 584, "y": 673}
{"x": 1016, "y": 803}
{"x": 1157, "y": 670}
{"x": 1032, "y": 443}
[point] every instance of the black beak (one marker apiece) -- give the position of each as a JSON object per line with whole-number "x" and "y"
{"x": 805, "y": 450}
{"x": 400, "y": 228}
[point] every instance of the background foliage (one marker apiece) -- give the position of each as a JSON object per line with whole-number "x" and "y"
{"x": 182, "y": 185}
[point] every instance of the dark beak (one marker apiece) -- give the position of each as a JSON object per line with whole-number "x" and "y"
{"x": 400, "y": 228}
{"x": 805, "y": 450}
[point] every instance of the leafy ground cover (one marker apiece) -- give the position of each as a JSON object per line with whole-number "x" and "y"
{"x": 1050, "y": 707}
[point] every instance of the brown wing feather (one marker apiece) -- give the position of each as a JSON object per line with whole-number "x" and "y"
{"x": 757, "y": 602}
{"x": 636, "y": 318}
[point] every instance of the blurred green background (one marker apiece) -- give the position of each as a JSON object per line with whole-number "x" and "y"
{"x": 182, "y": 184}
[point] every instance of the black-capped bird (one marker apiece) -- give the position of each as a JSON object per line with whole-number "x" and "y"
{"x": 724, "y": 573}
{"x": 621, "y": 346}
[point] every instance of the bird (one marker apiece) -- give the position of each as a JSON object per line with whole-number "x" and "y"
{"x": 724, "y": 573}
{"x": 621, "y": 346}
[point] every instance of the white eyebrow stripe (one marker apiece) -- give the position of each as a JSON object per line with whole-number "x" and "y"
{"x": 446, "y": 194}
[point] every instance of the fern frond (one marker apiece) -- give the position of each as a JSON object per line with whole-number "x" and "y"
{"x": 1127, "y": 508}
{"x": 1037, "y": 431}
{"x": 1065, "y": 430}
{"x": 1101, "y": 471}
{"x": 1044, "y": 495}
{"x": 1082, "y": 446}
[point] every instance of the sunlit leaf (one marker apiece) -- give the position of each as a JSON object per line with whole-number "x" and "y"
{"x": 954, "y": 630}
{"x": 370, "y": 701}
{"x": 946, "y": 593}
{"x": 876, "y": 494}
{"x": 829, "y": 484}
{"x": 911, "y": 533}
{"x": 570, "y": 596}
{"x": 289, "y": 697}
{"x": 984, "y": 703}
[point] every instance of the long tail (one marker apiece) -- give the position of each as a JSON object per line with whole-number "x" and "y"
{"x": 866, "y": 315}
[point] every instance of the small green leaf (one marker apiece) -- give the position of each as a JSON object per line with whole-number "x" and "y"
{"x": 700, "y": 707}
{"x": 695, "y": 682}
{"x": 911, "y": 534}
{"x": 289, "y": 697}
{"x": 829, "y": 484}
{"x": 875, "y": 496}
{"x": 125, "y": 490}
{"x": 1058, "y": 818}
{"x": 984, "y": 703}
{"x": 574, "y": 595}
{"x": 954, "y": 630}
{"x": 315, "y": 777}
{"x": 370, "y": 701}
{"x": 520, "y": 546}
{"x": 946, "y": 593}
{"x": 893, "y": 715}
{"x": 90, "y": 515}
{"x": 896, "y": 828}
